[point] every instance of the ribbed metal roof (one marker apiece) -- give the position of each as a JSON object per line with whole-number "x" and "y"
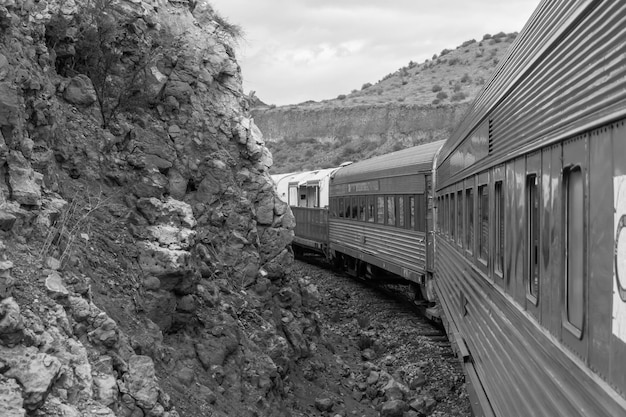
{"x": 564, "y": 73}
{"x": 404, "y": 162}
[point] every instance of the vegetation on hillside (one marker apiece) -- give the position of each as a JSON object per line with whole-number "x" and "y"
{"x": 451, "y": 78}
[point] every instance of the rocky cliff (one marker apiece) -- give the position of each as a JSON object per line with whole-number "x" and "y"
{"x": 142, "y": 246}
{"x": 389, "y": 121}
{"x": 363, "y": 130}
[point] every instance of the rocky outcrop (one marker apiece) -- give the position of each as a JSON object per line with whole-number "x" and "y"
{"x": 142, "y": 246}
{"x": 399, "y": 122}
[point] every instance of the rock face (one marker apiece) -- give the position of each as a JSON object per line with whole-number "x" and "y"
{"x": 142, "y": 245}
{"x": 390, "y": 120}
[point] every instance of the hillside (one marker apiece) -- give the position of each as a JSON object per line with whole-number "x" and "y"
{"x": 418, "y": 103}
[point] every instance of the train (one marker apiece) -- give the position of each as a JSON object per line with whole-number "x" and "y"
{"x": 513, "y": 228}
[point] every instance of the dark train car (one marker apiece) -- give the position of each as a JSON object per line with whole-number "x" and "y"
{"x": 531, "y": 208}
{"x": 311, "y": 231}
{"x": 379, "y": 214}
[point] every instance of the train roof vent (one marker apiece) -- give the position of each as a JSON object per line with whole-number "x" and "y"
{"x": 490, "y": 136}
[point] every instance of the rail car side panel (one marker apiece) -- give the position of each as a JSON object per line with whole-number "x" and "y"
{"x": 400, "y": 251}
{"x": 522, "y": 370}
{"x": 618, "y": 339}
{"x": 600, "y": 254}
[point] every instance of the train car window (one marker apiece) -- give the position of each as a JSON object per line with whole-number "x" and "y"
{"x": 380, "y": 210}
{"x": 412, "y": 212}
{"x": 340, "y": 206}
{"x": 483, "y": 223}
{"x": 371, "y": 209}
{"x": 574, "y": 247}
{"x": 362, "y": 208}
{"x": 331, "y": 207}
{"x": 459, "y": 218}
{"x": 401, "y": 211}
{"x": 469, "y": 219}
{"x": 532, "y": 234}
{"x": 421, "y": 212}
{"x": 355, "y": 208}
{"x": 451, "y": 216}
{"x": 348, "y": 208}
{"x": 498, "y": 257}
{"x": 391, "y": 211}
{"x": 446, "y": 205}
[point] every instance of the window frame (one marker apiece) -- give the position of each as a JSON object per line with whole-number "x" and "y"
{"x": 470, "y": 217}
{"x": 452, "y": 216}
{"x": 412, "y": 208}
{"x": 370, "y": 202}
{"x": 460, "y": 215}
{"x": 361, "y": 208}
{"x": 483, "y": 241}
{"x": 532, "y": 234}
{"x": 401, "y": 211}
{"x": 567, "y": 323}
{"x": 499, "y": 222}
{"x": 380, "y": 210}
{"x": 389, "y": 211}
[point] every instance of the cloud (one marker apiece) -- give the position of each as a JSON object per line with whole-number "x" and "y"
{"x": 297, "y": 50}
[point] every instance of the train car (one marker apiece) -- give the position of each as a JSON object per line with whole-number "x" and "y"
{"x": 308, "y": 195}
{"x": 379, "y": 215}
{"x": 530, "y": 244}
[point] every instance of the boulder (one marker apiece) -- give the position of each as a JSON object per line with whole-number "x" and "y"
{"x": 276, "y": 267}
{"x": 80, "y": 308}
{"x": 105, "y": 332}
{"x": 11, "y": 401}
{"x": 9, "y": 106}
{"x": 24, "y": 182}
{"x": 393, "y": 408}
{"x": 172, "y": 237}
{"x": 11, "y": 323}
{"x": 423, "y": 404}
{"x": 173, "y": 267}
{"x": 310, "y": 294}
{"x": 7, "y": 220}
{"x": 4, "y": 67}
{"x": 394, "y": 390}
{"x": 80, "y": 91}
{"x": 7, "y": 282}
{"x": 140, "y": 381}
{"x": 35, "y": 372}
{"x": 169, "y": 211}
{"x": 324, "y": 404}
{"x": 160, "y": 307}
{"x": 105, "y": 388}
{"x": 55, "y": 286}
{"x": 265, "y": 210}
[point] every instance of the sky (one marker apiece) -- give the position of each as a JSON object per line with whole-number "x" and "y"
{"x": 298, "y": 50}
